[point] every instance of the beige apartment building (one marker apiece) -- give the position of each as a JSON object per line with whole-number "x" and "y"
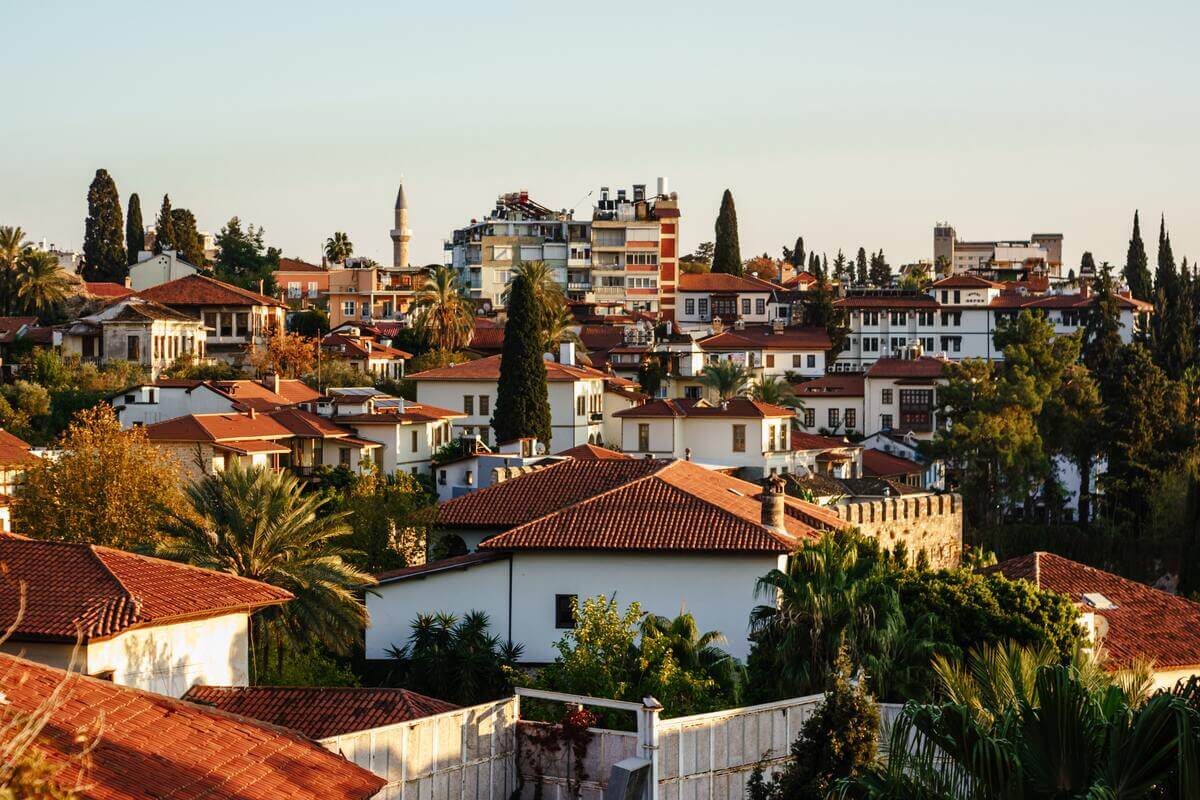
{"x": 1041, "y": 254}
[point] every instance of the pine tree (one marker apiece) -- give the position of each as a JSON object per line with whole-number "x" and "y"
{"x": 728, "y": 255}
{"x": 135, "y": 231}
{"x": 841, "y": 268}
{"x": 881, "y": 272}
{"x": 522, "y": 397}
{"x": 1137, "y": 271}
{"x": 103, "y": 240}
{"x": 862, "y": 275}
{"x": 187, "y": 237}
{"x": 164, "y": 227}
{"x": 1165, "y": 275}
{"x": 797, "y": 259}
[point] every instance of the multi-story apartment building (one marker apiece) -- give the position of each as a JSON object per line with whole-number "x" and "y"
{"x": 1041, "y": 252}
{"x": 958, "y": 317}
{"x": 518, "y": 230}
{"x": 635, "y": 250}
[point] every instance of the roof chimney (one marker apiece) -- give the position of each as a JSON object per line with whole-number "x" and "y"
{"x": 252, "y": 414}
{"x": 773, "y": 505}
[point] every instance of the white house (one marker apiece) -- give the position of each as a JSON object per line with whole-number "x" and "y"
{"x": 738, "y": 432}
{"x": 668, "y": 534}
{"x": 409, "y": 433}
{"x": 137, "y": 330}
{"x": 774, "y": 350}
{"x": 900, "y": 394}
{"x": 139, "y": 621}
{"x": 167, "y": 399}
{"x": 702, "y": 297}
{"x": 576, "y": 397}
{"x": 833, "y": 403}
{"x": 153, "y": 269}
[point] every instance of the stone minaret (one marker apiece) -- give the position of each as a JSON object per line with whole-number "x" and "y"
{"x": 401, "y": 234}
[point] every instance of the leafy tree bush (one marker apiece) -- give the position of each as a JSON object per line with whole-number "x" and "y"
{"x": 455, "y": 659}
{"x": 184, "y": 367}
{"x": 310, "y": 322}
{"x": 390, "y": 517}
{"x": 306, "y": 664}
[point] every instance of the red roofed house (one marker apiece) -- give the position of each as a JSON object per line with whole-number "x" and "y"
{"x": 576, "y": 397}
{"x": 900, "y": 394}
{"x": 832, "y": 403}
{"x": 669, "y": 534}
{"x": 703, "y": 296}
{"x": 299, "y": 282}
{"x": 364, "y": 352}
{"x": 138, "y": 330}
{"x": 150, "y": 745}
{"x": 167, "y": 399}
{"x": 408, "y": 433}
{"x": 1128, "y": 619}
{"x": 235, "y": 318}
{"x": 107, "y": 289}
{"x": 139, "y": 621}
{"x": 878, "y": 464}
{"x": 772, "y": 350}
{"x": 16, "y": 455}
{"x": 737, "y": 433}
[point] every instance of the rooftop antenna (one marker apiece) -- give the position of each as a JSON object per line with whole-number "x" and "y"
{"x": 580, "y": 201}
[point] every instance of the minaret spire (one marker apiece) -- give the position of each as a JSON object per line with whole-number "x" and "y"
{"x": 401, "y": 234}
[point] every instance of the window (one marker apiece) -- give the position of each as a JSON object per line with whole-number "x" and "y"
{"x": 441, "y": 477}
{"x": 834, "y": 419}
{"x": 501, "y": 252}
{"x": 760, "y": 306}
{"x": 641, "y": 283}
{"x": 810, "y": 417}
{"x": 414, "y": 441}
{"x": 897, "y": 343}
{"x": 691, "y": 392}
{"x": 130, "y": 398}
{"x": 745, "y": 306}
{"x": 870, "y": 344}
{"x": 643, "y": 437}
{"x": 642, "y": 259}
{"x": 724, "y": 307}
{"x": 887, "y": 397}
{"x": 957, "y": 297}
{"x": 797, "y": 360}
{"x": 770, "y": 438}
{"x": 485, "y": 404}
{"x": 564, "y": 610}
{"x": 851, "y": 418}
{"x": 294, "y": 289}
{"x": 470, "y": 477}
{"x": 770, "y": 360}
{"x": 703, "y": 305}
{"x": 952, "y": 344}
{"x": 811, "y": 361}
{"x": 210, "y": 320}
{"x": 133, "y": 348}
{"x": 689, "y": 306}
{"x": 641, "y": 234}
{"x": 348, "y": 307}
{"x": 313, "y": 289}
{"x": 899, "y": 317}
{"x": 951, "y": 318}
{"x": 739, "y": 438}
{"x": 924, "y": 317}
{"x": 344, "y": 456}
{"x": 886, "y": 422}
{"x": 469, "y": 404}
{"x": 870, "y": 317}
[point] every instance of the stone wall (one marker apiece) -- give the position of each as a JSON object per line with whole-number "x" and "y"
{"x": 933, "y": 523}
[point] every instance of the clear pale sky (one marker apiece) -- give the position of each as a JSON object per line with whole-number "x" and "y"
{"x": 850, "y": 123}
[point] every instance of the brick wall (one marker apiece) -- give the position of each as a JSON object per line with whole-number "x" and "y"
{"x": 933, "y": 523}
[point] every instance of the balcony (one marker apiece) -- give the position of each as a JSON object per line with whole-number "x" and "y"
{"x": 579, "y": 285}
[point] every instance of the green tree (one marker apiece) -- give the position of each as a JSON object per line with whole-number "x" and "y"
{"x": 187, "y": 237}
{"x": 243, "y": 259}
{"x": 390, "y": 517}
{"x": 455, "y": 659}
{"x": 795, "y": 255}
{"x": 862, "y": 274}
{"x": 522, "y": 395}
{"x": 135, "y": 231}
{"x": 727, "y": 255}
{"x": 444, "y": 317}
{"x": 727, "y": 378}
{"x": 42, "y": 287}
{"x": 880, "y": 273}
{"x": 259, "y": 524}
{"x": 12, "y": 248}
{"x": 164, "y": 227}
{"x": 1137, "y": 269}
{"x": 842, "y": 269}
{"x": 338, "y": 247}
{"x": 776, "y": 391}
{"x": 821, "y": 310}
{"x": 312, "y": 322}
{"x": 104, "y": 256}
{"x": 697, "y": 652}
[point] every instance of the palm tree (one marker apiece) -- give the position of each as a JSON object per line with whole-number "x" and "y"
{"x": 338, "y": 247}
{"x": 697, "y": 652}
{"x": 444, "y": 317}
{"x": 455, "y": 659}
{"x": 12, "y": 246}
{"x": 727, "y": 378}
{"x": 546, "y": 291}
{"x": 41, "y": 285}
{"x": 259, "y": 524}
{"x": 560, "y": 327}
{"x": 776, "y": 391}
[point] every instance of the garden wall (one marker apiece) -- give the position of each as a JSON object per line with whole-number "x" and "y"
{"x": 933, "y": 523}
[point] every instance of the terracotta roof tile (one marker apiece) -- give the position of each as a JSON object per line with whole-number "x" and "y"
{"x": 412, "y": 413}
{"x": 487, "y": 340}
{"x": 15, "y": 451}
{"x": 763, "y": 337}
{"x": 878, "y": 464}
{"x": 488, "y": 369}
{"x": 357, "y": 347}
{"x": 965, "y": 282}
{"x": 200, "y": 290}
{"x": 1145, "y": 623}
{"x": 320, "y": 712}
{"x": 831, "y": 386}
{"x": 104, "y": 591}
{"x": 811, "y": 441}
{"x": 735, "y": 407}
{"x": 586, "y": 452}
{"x": 677, "y": 505}
{"x": 308, "y": 425}
{"x": 106, "y": 289}
{"x": 216, "y": 428}
{"x": 720, "y": 282}
{"x": 150, "y": 745}
{"x": 441, "y": 565}
{"x": 296, "y": 265}
{"x": 291, "y": 391}
{"x": 923, "y": 367}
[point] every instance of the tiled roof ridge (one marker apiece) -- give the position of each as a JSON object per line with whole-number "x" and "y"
{"x": 489, "y": 490}
{"x": 99, "y": 550}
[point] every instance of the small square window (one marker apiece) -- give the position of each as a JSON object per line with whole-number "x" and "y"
{"x": 564, "y": 610}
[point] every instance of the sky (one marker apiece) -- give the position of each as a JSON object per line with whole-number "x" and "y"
{"x": 851, "y": 124}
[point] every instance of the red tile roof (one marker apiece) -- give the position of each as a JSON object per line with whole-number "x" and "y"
{"x": 216, "y": 428}
{"x": 720, "y": 282}
{"x": 291, "y": 391}
{"x": 811, "y": 441}
{"x": 296, "y": 265}
{"x": 14, "y": 451}
{"x": 307, "y": 425}
{"x": 676, "y": 505}
{"x": 441, "y": 565}
{"x": 320, "y": 712}
{"x": 1145, "y": 623}
{"x": 356, "y": 347}
{"x": 107, "y": 289}
{"x": 585, "y": 452}
{"x": 804, "y": 278}
{"x": 201, "y": 290}
{"x": 412, "y": 413}
{"x": 10, "y": 326}
{"x": 878, "y": 464}
{"x": 487, "y": 340}
{"x": 966, "y": 282}
{"x": 764, "y": 337}
{"x": 149, "y": 745}
{"x": 923, "y": 367}
{"x": 488, "y": 369}
{"x": 831, "y": 386}
{"x": 737, "y": 407}
{"x": 887, "y": 301}
{"x": 101, "y": 591}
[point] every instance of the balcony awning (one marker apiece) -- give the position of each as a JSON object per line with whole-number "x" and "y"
{"x": 254, "y": 446}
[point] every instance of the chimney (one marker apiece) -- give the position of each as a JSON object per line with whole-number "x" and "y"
{"x": 272, "y": 382}
{"x": 687, "y": 454}
{"x": 252, "y": 414}
{"x": 566, "y": 353}
{"x": 128, "y": 282}
{"x": 773, "y": 504}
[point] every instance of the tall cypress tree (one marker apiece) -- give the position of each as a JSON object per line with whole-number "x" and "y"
{"x": 728, "y": 254}
{"x": 1165, "y": 276}
{"x": 861, "y": 273}
{"x": 164, "y": 227}
{"x": 522, "y": 396}
{"x": 135, "y": 232}
{"x": 797, "y": 259}
{"x": 187, "y": 236}
{"x": 881, "y": 271}
{"x": 1137, "y": 269}
{"x": 103, "y": 239}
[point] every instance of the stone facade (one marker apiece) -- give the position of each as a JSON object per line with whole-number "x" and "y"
{"x": 933, "y": 523}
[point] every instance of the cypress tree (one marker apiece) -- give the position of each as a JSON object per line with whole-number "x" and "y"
{"x": 860, "y": 261}
{"x": 1137, "y": 271}
{"x": 164, "y": 227}
{"x": 797, "y": 258}
{"x": 135, "y": 232}
{"x": 881, "y": 271}
{"x": 728, "y": 254}
{"x": 814, "y": 265}
{"x": 841, "y": 268}
{"x": 103, "y": 239}
{"x": 522, "y": 397}
{"x": 1165, "y": 275}
{"x": 186, "y": 236}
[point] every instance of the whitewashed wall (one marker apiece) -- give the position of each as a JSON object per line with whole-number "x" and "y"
{"x": 466, "y": 754}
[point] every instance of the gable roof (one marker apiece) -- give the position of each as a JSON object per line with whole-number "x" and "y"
{"x": 297, "y": 265}
{"x": 488, "y": 369}
{"x": 965, "y": 282}
{"x": 591, "y": 452}
{"x": 100, "y": 592}
{"x": 394, "y": 415}
{"x": 811, "y": 441}
{"x": 201, "y": 290}
{"x": 216, "y": 428}
{"x": 138, "y": 309}
{"x": 720, "y": 282}
{"x": 878, "y": 464}
{"x": 831, "y": 386}
{"x": 923, "y": 367}
{"x": 291, "y": 391}
{"x": 1145, "y": 623}
{"x": 320, "y": 712}
{"x": 356, "y": 347}
{"x": 15, "y": 451}
{"x": 734, "y": 407}
{"x": 796, "y": 337}
{"x": 106, "y": 289}
{"x": 151, "y": 745}
{"x": 676, "y": 506}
